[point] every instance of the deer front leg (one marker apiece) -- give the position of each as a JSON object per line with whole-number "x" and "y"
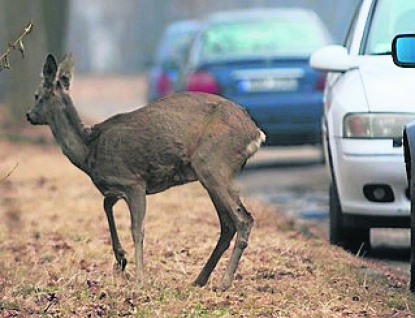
{"x": 136, "y": 201}
{"x": 116, "y": 245}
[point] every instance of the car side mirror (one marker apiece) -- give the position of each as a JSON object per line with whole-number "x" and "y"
{"x": 332, "y": 58}
{"x": 403, "y": 50}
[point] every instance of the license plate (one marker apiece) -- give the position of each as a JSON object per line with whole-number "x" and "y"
{"x": 268, "y": 85}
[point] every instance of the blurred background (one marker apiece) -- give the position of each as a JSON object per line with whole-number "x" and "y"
{"x": 114, "y": 37}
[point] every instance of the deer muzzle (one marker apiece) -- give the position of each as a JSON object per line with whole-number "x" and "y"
{"x": 30, "y": 118}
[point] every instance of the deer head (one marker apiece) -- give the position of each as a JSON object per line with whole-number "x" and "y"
{"x": 53, "y": 90}
{"x": 54, "y": 107}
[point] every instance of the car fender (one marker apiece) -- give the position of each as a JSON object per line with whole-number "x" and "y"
{"x": 409, "y": 148}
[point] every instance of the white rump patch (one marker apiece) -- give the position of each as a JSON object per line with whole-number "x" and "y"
{"x": 256, "y": 144}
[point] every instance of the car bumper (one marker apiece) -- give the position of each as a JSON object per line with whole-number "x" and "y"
{"x": 292, "y": 134}
{"x": 360, "y": 163}
{"x": 289, "y": 120}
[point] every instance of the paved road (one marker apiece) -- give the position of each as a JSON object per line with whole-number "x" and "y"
{"x": 292, "y": 178}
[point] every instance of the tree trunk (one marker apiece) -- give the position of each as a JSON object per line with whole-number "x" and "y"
{"x": 20, "y": 79}
{"x": 55, "y": 20}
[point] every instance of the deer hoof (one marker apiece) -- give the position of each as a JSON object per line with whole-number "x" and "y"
{"x": 199, "y": 282}
{"x": 221, "y": 288}
{"x": 224, "y": 285}
{"x": 121, "y": 259}
{"x": 122, "y": 264}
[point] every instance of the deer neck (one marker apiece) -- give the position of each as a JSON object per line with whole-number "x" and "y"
{"x": 70, "y": 134}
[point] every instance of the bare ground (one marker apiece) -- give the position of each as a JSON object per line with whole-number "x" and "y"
{"x": 56, "y": 258}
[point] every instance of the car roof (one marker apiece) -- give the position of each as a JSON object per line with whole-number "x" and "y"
{"x": 182, "y": 26}
{"x": 259, "y": 13}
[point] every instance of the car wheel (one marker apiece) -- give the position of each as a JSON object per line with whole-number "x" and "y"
{"x": 355, "y": 240}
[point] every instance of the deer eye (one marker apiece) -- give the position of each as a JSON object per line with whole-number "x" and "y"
{"x": 36, "y": 96}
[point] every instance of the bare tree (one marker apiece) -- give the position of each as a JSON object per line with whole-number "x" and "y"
{"x": 17, "y": 85}
{"x": 20, "y": 82}
{"x": 55, "y": 15}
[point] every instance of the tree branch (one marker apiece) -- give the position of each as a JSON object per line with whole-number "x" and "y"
{"x": 16, "y": 45}
{"x": 9, "y": 173}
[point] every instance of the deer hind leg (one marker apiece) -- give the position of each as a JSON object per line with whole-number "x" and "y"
{"x": 229, "y": 206}
{"x": 116, "y": 245}
{"x": 244, "y": 222}
{"x": 136, "y": 200}
{"x": 227, "y": 232}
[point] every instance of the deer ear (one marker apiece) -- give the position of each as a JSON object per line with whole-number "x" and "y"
{"x": 49, "y": 70}
{"x": 66, "y": 69}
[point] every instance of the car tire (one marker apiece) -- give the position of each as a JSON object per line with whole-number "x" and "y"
{"x": 355, "y": 240}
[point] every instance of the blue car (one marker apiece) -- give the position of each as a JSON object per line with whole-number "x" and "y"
{"x": 259, "y": 58}
{"x": 169, "y": 57}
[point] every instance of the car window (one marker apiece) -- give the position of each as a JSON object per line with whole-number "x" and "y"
{"x": 391, "y": 17}
{"x": 258, "y": 38}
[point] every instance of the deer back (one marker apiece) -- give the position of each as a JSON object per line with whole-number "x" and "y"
{"x": 155, "y": 144}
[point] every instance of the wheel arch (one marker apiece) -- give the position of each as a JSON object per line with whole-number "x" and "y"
{"x": 408, "y": 149}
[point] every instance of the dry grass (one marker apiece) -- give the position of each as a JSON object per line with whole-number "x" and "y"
{"x": 56, "y": 258}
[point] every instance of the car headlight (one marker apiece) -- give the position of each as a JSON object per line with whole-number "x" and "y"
{"x": 375, "y": 125}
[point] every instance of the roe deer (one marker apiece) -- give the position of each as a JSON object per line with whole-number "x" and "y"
{"x": 175, "y": 140}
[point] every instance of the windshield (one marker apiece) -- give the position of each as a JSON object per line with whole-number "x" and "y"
{"x": 391, "y": 17}
{"x": 259, "y": 38}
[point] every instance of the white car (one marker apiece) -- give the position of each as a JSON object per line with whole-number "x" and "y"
{"x": 367, "y": 102}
